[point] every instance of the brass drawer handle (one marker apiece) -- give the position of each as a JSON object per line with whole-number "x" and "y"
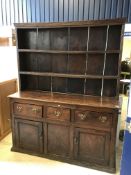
{"x": 103, "y": 119}
{"x": 57, "y": 113}
{"x": 19, "y": 108}
{"x": 34, "y": 109}
{"x": 82, "y": 116}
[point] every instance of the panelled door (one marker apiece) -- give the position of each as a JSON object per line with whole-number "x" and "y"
{"x": 58, "y": 139}
{"x": 29, "y": 135}
{"x": 91, "y": 146}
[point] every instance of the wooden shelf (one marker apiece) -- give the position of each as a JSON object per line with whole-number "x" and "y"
{"x": 68, "y": 99}
{"x": 71, "y": 53}
{"x": 50, "y": 74}
{"x": 40, "y": 25}
{"x": 67, "y": 52}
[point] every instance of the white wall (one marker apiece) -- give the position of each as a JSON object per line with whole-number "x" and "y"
{"x": 8, "y": 63}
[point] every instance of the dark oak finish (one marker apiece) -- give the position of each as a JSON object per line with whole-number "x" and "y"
{"x": 92, "y": 146}
{"x": 58, "y": 113}
{"x": 79, "y": 52}
{"x": 93, "y": 118}
{"x": 29, "y": 135}
{"x": 73, "y": 128}
{"x": 58, "y": 140}
{"x": 118, "y": 21}
{"x": 68, "y": 98}
{"x": 83, "y": 101}
{"x": 27, "y": 110}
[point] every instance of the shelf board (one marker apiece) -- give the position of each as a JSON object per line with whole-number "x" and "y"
{"x": 113, "y": 51}
{"x": 66, "y": 75}
{"x": 52, "y": 51}
{"x": 102, "y": 52}
{"x": 88, "y": 23}
{"x": 125, "y": 73}
{"x": 52, "y": 74}
{"x": 67, "y": 52}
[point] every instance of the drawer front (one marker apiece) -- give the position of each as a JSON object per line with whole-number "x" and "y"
{"x": 93, "y": 118}
{"x": 58, "y": 113}
{"x": 27, "y": 110}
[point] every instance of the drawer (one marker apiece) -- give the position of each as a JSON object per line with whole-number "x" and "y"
{"x": 58, "y": 113}
{"x": 93, "y": 118}
{"x": 27, "y": 110}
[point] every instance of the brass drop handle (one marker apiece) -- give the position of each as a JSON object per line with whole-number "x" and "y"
{"x": 19, "y": 108}
{"x": 82, "y": 116}
{"x": 34, "y": 109}
{"x": 57, "y": 113}
{"x": 103, "y": 119}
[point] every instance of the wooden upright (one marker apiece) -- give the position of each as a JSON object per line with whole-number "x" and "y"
{"x": 7, "y": 87}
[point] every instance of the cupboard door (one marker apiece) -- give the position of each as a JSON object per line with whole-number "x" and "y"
{"x": 91, "y": 146}
{"x": 29, "y": 135}
{"x": 58, "y": 140}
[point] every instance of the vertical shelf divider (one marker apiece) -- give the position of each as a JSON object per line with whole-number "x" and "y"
{"x": 18, "y": 62}
{"x": 51, "y": 60}
{"x": 37, "y": 57}
{"x": 68, "y": 47}
{"x": 86, "y": 59}
{"x": 104, "y": 60}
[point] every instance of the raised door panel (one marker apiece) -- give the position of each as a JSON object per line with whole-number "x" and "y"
{"x": 29, "y": 135}
{"x": 58, "y": 140}
{"x": 92, "y": 146}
